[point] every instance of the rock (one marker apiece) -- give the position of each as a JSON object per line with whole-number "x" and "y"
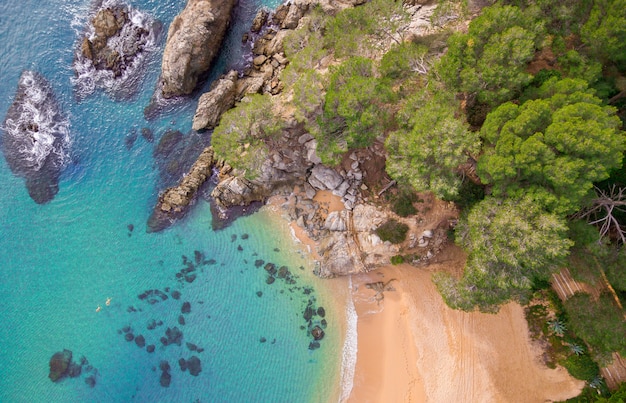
{"x": 270, "y": 280}
{"x": 150, "y": 348}
{"x": 59, "y": 364}
{"x": 259, "y": 21}
{"x": 165, "y": 379}
{"x": 259, "y": 294}
{"x": 335, "y": 221}
{"x": 193, "y": 40}
{"x": 91, "y": 381}
{"x": 323, "y": 178}
{"x": 176, "y": 294}
{"x": 317, "y": 333}
{"x": 183, "y": 364}
{"x": 314, "y": 345}
{"x": 74, "y": 370}
{"x": 308, "y": 313}
{"x": 129, "y": 337}
{"x": 151, "y": 324}
{"x": 173, "y": 203}
{"x": 237, "y": 191}
{"x": 321, "y": 312}
{"x": 296, "y": 11}
{"x": 140, "y": 341}
{"x": 214, "y": 103}
{"x": 112, "y": 48}
{"x": 186, "y": 308}
{"x": 36, "y": 136}
{"x": 181, "y": 320}
{"x": 194, "y": 365}
{"x": 191, "y": 346}
{"x": 174, "y": 336}
{"x": 259, "y": 60}
{"x": 164, "y": 366}
{"x": 262, "y": 340}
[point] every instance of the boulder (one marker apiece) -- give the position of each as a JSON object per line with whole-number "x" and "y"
{"x": 193, "y": 40}
{"x": 165, "y": 379}
{"x": 317, "y": 333}
{"x": 59, "y": 364}
{"x": 259, "y": 21}
{"x": 295, "y": 12}
{"x": 323, "y": 178}
{"x": 214, "y": 103}
{"x": 237, "y": 191}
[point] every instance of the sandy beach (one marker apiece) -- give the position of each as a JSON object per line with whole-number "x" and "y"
{"x": 413, "y": 348}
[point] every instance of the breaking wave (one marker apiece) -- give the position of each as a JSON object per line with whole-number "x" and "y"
{"x": 35, "y": 131}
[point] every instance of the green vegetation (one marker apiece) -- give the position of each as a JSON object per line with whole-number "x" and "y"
{"x": 489, "y": 61}
{"x": 242, "y": 135}
{"x": 430, "y": 145}
{"x": 392, "y": 231}
{"x": 511, "y": 243}
{"x": 354, "y": 112}
{"x": 600, "y": 323}
{"x": 397, "y": 259}
{"x": 553, "y": 147}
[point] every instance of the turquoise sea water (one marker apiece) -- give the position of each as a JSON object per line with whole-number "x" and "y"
{"x": 61, "y": 260}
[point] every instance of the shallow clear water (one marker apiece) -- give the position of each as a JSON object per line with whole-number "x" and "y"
{"x": 61, "y": 260}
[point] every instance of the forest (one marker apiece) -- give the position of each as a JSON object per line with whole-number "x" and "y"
{"x": 518, "y": 119}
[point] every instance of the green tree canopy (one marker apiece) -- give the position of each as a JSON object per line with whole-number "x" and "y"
{"x": 510, "y": 243}
{"x": 489, "y": 61}
{"x": 242, "y": 135}
{"x": 354, "y": 109}
{"x": 430, "y": 145}
{"x": 605, "y": 31}
{"x": 552, "y": 148}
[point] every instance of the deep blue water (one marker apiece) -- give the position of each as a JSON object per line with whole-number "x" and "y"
{"x": 61, "y": 260}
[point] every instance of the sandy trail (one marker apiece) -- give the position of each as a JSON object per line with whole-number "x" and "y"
{"x": 413, "y": 348}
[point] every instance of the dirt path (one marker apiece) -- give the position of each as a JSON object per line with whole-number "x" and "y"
{"x": 413, "y": 348}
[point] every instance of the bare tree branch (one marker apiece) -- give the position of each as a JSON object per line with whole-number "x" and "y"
{"x": 602, "y": 211}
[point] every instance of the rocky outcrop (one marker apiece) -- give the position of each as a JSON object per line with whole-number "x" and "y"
{"x": 237, "y": 191}
{"x": 174, "y": 201}
{"x": 214, "y": 103}
{"x": 36, "y": 135}
{"x": 193, "y": 40}
{"x": 112, "y": 48}
{"x": 59, "y": 364}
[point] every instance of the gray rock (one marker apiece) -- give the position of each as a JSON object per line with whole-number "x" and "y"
{"x": 193, "y": 40}
{"x": 335, "y": 221}
{"x": 341, "y": 189}
{"x": 237, "y": 191}
{"x": 324, "y": 178}
{"x": 214, "y": 103}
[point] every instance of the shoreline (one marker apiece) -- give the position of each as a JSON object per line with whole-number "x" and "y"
{"x": 411, "y": 347}
{"x": 414, "y": 348}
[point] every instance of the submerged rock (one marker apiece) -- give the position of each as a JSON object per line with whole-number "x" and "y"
{"x": 59, "y": 364}
{"x": 194, "y": 365}
{"x": 36, "y": 135}
{"x": 193, "y": 40}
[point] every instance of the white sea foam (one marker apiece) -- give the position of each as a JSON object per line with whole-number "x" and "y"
{"x": 350, "y": 348}
{"x": 88, "y": 78}
{"x": 35, "y": 127}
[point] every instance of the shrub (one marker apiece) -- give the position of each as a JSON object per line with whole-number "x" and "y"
{"x": 397, "y": 259}
{"x": 403, "y": 204}
{"x": 392, "y": 231}
{"x": 581, "y": 367}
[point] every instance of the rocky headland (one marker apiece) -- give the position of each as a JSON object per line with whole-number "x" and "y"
{"x": 345, "y": 240}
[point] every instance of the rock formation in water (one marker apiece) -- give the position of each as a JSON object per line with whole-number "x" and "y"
{"x": 36, "y": 136}
{"x": 62, "y": 366}
{"x": 112, "y": 48}
{"x": 174, "y": 201}
{"x": 193, "y": 40}
{"x": 214, "y": 103}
